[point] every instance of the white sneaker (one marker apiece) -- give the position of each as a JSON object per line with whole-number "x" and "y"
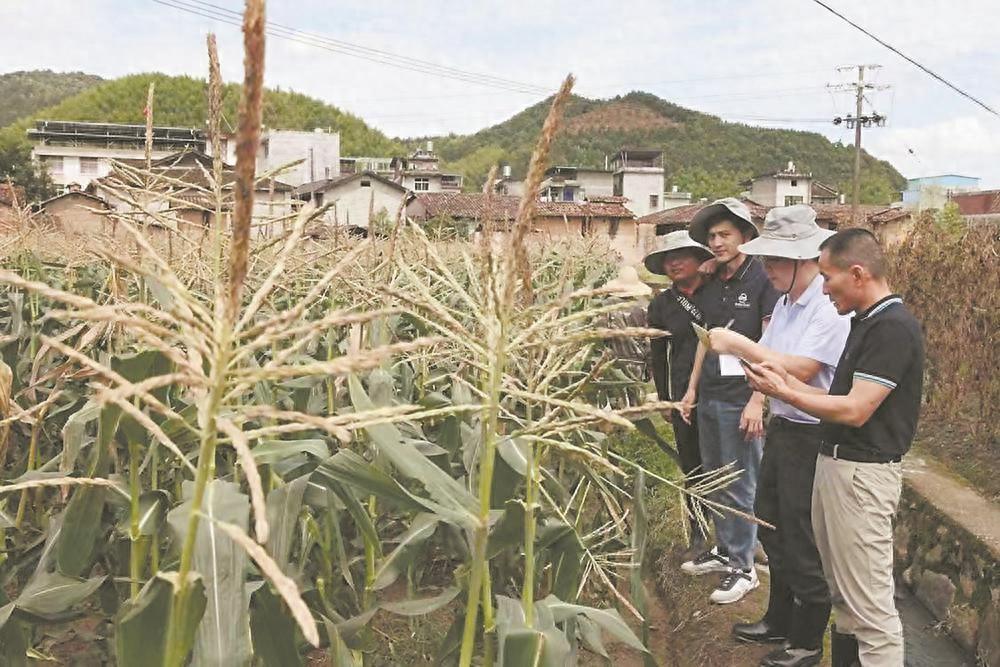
{"x": 706, "y": 563}
{"x": 734, "y": 585}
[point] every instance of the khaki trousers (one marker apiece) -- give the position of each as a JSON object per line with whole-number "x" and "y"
{"x": 852, "y": 509}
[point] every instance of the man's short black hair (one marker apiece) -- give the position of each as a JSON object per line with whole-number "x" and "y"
{"x": 856, "y": 246}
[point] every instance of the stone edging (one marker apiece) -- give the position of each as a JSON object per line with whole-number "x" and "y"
{"x": 947, "y": 542}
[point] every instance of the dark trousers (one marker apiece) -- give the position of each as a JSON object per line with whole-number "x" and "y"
{"x": 784, "y": 499}
{"x": 686, "y": 438}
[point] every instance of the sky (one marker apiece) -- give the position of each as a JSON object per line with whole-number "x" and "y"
{"x": 763, "y": 62}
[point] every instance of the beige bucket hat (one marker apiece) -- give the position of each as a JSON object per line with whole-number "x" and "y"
{"x": 678, "y": 240}
{"x": 790, "y": 232}
{"x": 728, "y": 208}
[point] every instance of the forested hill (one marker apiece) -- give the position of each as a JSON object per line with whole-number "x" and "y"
{"x": 23, "y": 93}
{"x": 702, "y": 154}
{"x": 182, "y": 101}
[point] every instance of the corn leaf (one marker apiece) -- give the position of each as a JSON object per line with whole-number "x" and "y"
{"x": 223, "y": 635}
{"x": 283, "y": 507}
{"x": 143, "y": 624}
{"x": 273, "y": 631}
{"x": 50, "y": 594}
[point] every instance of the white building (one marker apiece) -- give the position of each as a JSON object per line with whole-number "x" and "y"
{"x": 319, "y": 151}
{"x": 78, "y": 153}
{"x": 355, "y": 199}
{"x": 638, "y": 176}
{"x": 783, "y": 188}
{"x": 575, "y": 184}
{"x": 421, "y": 172}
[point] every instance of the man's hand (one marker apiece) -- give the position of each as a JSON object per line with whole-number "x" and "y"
{"x": 726, "y": 341}
{"x": 708, "y": 267}
{"x": 752, "y": 419}
{"x": 769, "y": 379}
{"x": 687, "y": 405}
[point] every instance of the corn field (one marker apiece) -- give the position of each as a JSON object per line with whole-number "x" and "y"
{"x": 240, "y": 451}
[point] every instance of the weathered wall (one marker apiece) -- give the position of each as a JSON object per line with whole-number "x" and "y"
{"x": 946, "y": 553}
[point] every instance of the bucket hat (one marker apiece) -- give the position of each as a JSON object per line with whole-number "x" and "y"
{"x": 627, "y": 283}
{"x": 790, "y": 232}
{"x": 678, "y": 240}
{"x": 729, "y": 208}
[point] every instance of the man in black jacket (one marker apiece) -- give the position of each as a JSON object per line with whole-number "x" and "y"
{"x": 674, "y": 309}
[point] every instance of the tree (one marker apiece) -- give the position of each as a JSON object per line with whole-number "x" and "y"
{"x": 16, "y": 164}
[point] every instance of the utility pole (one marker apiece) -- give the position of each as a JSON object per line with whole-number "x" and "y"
{"x": 858, "y": 121}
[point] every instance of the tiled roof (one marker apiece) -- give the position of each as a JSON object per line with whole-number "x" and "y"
{"x": 683, "y": 215}
{"x": 888, "y": 215}
{"x": 834, "y": 215}
{"x": 607, "y": 199}
{"x": 473, "y": 206}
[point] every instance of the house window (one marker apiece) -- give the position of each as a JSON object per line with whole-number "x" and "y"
{"x": 795, "y": 183}
{"x": 55, "y": 165}
{"x": 318, "y": 198}
{"x": 567, "y": 194}
{"x": 613, "y": 228}
{"x": 791, "y": 200}
{"x": 89, "y": 166}
{"x": 421, "y": 184}
{"x": 654, "y": 201}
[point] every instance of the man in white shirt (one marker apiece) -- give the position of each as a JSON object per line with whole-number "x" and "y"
{"x": 806, "y": 337}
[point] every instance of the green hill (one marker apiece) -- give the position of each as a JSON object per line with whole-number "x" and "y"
{"x": 23, "y": 93}
{"x": 182, "y": 101}
{"x": 702, "y": 154}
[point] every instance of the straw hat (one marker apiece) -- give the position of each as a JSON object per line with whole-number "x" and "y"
{"x": 628, "y": 284}
{"x": 729, "y": 208}
{"x": 678, "y": 240}
{"x": 790, "y": 232}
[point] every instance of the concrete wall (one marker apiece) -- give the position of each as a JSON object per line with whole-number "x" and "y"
{"x": 638, "y": 185}
{"x": 595, "y": 183}
{"x": 353, "y": 202}
{"x": 319, "y": 149}
{"x": 947, "y": 550}
{"x": 71, "y": 165}
{"x": 771, "y": 191}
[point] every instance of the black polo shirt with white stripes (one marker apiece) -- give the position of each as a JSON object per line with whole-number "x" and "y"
{"x": 885, "y": 346}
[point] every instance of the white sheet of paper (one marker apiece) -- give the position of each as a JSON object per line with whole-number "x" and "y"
{"x": 729, "y": 365}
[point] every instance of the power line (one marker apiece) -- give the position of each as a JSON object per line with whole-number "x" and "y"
{"x": 231, "y": 17}
{"x": 907, "y": 58}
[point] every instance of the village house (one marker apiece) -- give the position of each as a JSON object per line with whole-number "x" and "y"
{"x": 637, "y": 175}
{"x": 575, "y": 184}
{"x": 932, "y": 192}
{"x": 789, "y": 187}
{"x": 76, "y": 212}
{"x": 78, "y": 153}
{"x": 355, "y": 200}
{"x": 421, "y": 172}
{"x": 318, "y": 153}
{"x": 182, "y": 192}
{"x": 978, "y": 207}
{"x": 601, "y": 217}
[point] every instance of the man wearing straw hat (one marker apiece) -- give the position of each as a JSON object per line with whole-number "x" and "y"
{"x": 806, "y": 336}
{"x": 868, "y": 417}
{"x": 730, "y": 426}
{"x": 678, "y": 257}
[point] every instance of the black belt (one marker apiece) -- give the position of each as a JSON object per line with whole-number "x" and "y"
{"x": 841, "y": 452}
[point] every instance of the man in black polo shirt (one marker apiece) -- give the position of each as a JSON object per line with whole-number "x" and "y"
{"x": 869, "y": 418}
{"x": 674, "y": 309}
{"x": 738, "y": 296}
